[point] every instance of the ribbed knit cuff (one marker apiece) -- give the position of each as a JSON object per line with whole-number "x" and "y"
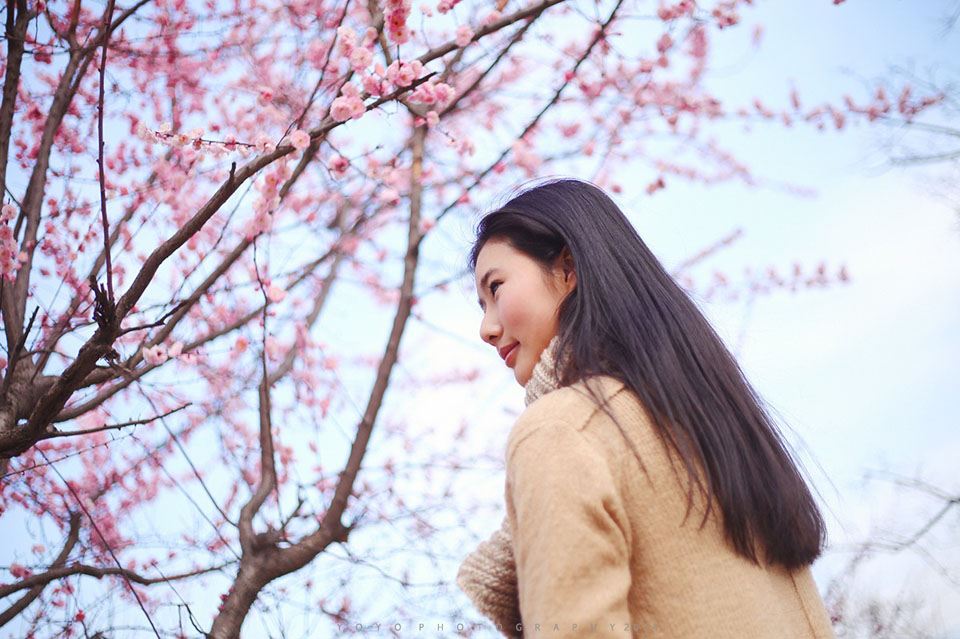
{"x": 488, "y": 576}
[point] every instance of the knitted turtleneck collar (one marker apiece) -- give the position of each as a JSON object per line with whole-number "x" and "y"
{"x": 488, "y": 575}
{"x": 542, "y": 380}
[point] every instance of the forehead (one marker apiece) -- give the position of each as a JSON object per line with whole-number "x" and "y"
{"x": 495, "y": 253}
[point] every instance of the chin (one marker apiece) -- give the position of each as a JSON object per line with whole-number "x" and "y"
{"x": 522, "y": 378}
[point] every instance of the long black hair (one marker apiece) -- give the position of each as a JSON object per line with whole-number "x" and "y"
{"x": 627, "y": 318}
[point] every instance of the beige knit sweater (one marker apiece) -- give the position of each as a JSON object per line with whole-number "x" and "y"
{"x": 593, "y": 547}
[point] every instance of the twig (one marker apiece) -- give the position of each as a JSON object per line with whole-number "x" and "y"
{"x": 159, "y": 322}
{"x": 15, "y": 356}
{"x": 106, "y": 544}
{"x": 556, "y": 96}
{"x": 113, "y": 426}
{"x": 108, "y": 16}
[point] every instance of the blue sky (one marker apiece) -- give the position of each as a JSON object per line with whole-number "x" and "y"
{"x": 864, "y": 374}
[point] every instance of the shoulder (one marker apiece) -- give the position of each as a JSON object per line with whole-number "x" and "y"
{"x": 560, "y": 414}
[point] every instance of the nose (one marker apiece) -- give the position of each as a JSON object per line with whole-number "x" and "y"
{"x": 490, "y": 329}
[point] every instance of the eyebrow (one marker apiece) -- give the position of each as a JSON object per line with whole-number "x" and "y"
{"x": 483, "y": 283}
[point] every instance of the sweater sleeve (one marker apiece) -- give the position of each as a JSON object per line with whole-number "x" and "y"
{"x": 569, "y": 540}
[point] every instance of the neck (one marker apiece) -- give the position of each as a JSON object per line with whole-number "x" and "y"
{"x": 542, "y": 380}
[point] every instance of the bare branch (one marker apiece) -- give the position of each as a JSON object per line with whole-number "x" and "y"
{"x": 135, "y": 422}
{"x": 924, "y": 159}
{"x": 268, "y": 471}
{"x": 106, "y": 544}
{"x": 338, "y": 504}
{"x": 108, "y": 16}
{"x": 16, "y": 31}
{"x": 35, "y": 589}
{"x": 101, "y": 572}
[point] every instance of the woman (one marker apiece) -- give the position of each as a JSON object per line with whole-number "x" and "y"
{"x": 648, "y": 492}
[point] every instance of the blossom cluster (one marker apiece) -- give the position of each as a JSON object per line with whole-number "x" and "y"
{"x": 349, "y": 105}
{"x": 10, "y": 258}
{"x": 396, "y": 16}
{"x": 158, "y": 354}
{"x": 445, "y": 6}
{"x": 360, "y": 55}
{"x": 269, "y": 199}
{"x": 193, "y": 144}
{"x": 881, "y": 104}
{"x": 679, "y": 10}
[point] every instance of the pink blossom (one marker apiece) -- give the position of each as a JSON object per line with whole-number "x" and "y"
{"x": 684, "y": 7}
{"x": 655, "y": 186}
{"x": 145, "y": 134}
{"x": 263, "y": 143}
{"x": 424, "y": 93}
{"x": 525, "y": 157}
{"x": 446, "y": 5}
{"x": 276, "y": 294}
{"x": 698, "y": 42}
{"x": 346, "y": 39}
{"x": 155, "y": 355}
{"x": 443, "y": 92}
{"x": 19, "y": 571}
{"x": 300, "y": 139}
{"x": 466, "y": 147}
{"x": 346, "y": 34}
{"x": 345, "y": 107}
{"x": 240, "y": 345}
{"x": 432, "y": 118}
{"x": 338, "y": 165}
{"x": 361, "y": 58}
{"x": 389, "y": 195}
{"x": 726, "y": 15}
{"x": 175, "y": 349}
{"x": 464, "y": 35}
{"x": 426, "y": 224}
{"x": 397, "y": 12}
{"x": 317, "y": 52}
{"x": 492, "y": 17}
{"x": 8, "y": 212}
{"x": 372, "y": 85}
{"x": 400, "y": 35}
{"x": 272, "y": 347}
{"x": 664, "y": 43}
{"x": 404, "y": 73}
{"x": 350, "y": 245}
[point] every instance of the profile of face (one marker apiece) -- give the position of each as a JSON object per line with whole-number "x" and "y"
{"x": 519, "y": 303}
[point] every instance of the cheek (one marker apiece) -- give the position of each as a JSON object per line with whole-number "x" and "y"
{"x": 526, "y": 314}
{"x": 515, "y": 313}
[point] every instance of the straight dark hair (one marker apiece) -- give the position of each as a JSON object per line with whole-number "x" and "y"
{"x": 627, "y": 318}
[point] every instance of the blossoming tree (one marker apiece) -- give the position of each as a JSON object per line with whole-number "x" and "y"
{"x": 185, "y": 182}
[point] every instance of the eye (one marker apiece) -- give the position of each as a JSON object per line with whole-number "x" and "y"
{"x": 493, "y": 291}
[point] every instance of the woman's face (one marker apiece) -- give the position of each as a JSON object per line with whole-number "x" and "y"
{"x": 519, "y": 303}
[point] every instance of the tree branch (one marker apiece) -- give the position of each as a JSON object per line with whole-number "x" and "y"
{"x": 101, "y": 572}
{"x": 135, "y": 422}
{"x": 108, "y": 16}
{"x": 36, "y": 588}
{"x": 556, "y": 96}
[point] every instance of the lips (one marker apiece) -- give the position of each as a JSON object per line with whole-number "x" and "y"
{"x": 506, "y": 350}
